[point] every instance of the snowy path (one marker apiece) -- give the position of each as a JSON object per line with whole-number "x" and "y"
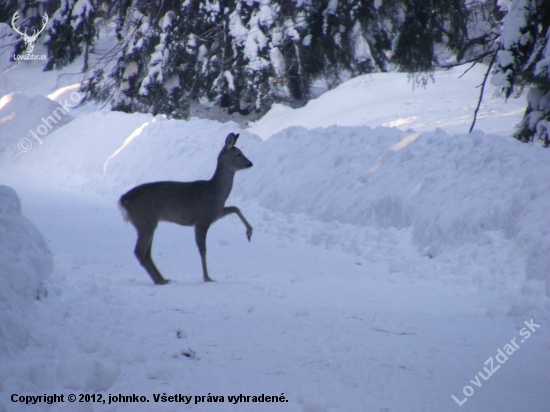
{"x": 276, "y": 321}
{"x": 386, "y": 267}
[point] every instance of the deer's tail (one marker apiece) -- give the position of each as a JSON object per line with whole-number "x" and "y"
{"x": 123, "y": 209}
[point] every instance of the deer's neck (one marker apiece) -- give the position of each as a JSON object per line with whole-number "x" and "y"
{"x": 222, "y": 181}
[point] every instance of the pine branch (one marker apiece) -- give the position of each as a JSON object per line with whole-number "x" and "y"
{"x": 477, "y": 59}
{"x": 468, "y": 69}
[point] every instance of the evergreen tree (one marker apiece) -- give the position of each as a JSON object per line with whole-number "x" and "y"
{"x": 7, "y": 10}
{"x": 243, "y": 55}
{"x": 524, "y": 60}
{"x": 379, "y": 22}
{"x": 432, "y": 31}
{"x": 72, "y": 30}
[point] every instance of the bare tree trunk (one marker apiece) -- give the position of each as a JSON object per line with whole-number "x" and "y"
{"x": 86, "y": 55}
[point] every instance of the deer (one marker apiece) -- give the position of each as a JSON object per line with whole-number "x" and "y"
{"x": 198, "y": 204}
{"x": 29, "y": 40}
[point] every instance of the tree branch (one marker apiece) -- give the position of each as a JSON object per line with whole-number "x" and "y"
{"x": 482, "y": 90}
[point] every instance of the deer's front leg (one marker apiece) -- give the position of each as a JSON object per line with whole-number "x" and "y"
{"x": 233, "y": 209}
{"x": 200, "y": 237}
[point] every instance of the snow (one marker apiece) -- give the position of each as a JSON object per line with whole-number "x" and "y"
{"x": 251, "y": 37}
{"x": 277, "y": 61}
{"x": 84, "y": 373}
{"x": 514, "y": 21}
{"x": 389, "y": 99}
{"x": 392, "y": 255}
{"x": 544, "y": 63}
{"x": 15, "y": 127}
{"x": 236, "y": 27}
{"x": 81, "y": 8}
{"x": 230, "y": 80}
{"x": 362, "y": 49}
{"x": 154, "y": 69}
{"x": 26, "y": 263}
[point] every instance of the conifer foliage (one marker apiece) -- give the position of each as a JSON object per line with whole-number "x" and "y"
{"x": 524, "y": 60}
{"x": 244, "y": 55}
{"x": 430, "y": 25}
{"x": 71, "y": 30}
{"x": 241, "y": 55}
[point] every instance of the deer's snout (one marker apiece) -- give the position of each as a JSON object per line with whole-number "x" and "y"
{"x": 249, "y": 165}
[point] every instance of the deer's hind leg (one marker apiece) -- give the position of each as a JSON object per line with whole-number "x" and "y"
{"x": 143, "y": 252}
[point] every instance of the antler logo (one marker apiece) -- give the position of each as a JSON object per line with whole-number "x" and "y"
{"x": 29, "y": 40}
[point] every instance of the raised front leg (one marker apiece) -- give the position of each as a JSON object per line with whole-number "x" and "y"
{"x": 200, "y": 237}
{"x": 234, "y": 209}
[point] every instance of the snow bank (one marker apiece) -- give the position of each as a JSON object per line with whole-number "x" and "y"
{"x": 110, "y": 152}
{"x": 25, "y": 263}
{"x": 451, "y": 190}
{"x": 28, "y": 121}
{"x": 389, "y": 99}
{"x": 472, "y": 195}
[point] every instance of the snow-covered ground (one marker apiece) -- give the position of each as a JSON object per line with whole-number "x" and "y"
{"x": 388, "y": 264}
{"x": 389, "y": 99}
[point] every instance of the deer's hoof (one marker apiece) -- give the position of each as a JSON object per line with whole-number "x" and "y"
{"x": 162, "y": 282}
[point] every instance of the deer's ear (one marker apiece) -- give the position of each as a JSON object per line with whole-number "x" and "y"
{"x": 230, "y": 140}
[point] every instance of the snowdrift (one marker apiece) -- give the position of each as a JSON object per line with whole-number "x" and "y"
{"x": 26, "y": 263}
{"x": 22, "y": 116}
{"x": 470, "y": 195}
{"x": 475, "y": 196}
{"x": 391, "y": 100}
